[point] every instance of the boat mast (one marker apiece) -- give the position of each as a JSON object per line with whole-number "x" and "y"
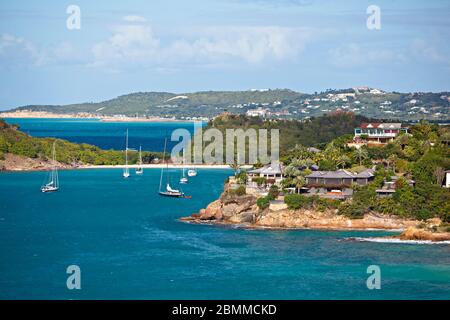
{"x": 184, "y": 163}
{"x": 162, "y": 169}
{"x": 126, "y": 153}
{"x": 55, "y": 172}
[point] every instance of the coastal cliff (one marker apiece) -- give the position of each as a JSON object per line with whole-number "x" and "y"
{"x": 242, "y": 210}
{"x": 12, "y": 162}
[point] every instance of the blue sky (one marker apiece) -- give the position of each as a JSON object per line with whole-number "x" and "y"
{"x": 183, "y": 46}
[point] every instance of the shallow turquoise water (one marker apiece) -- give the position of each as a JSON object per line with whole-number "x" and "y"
{"x": 106, "y": 135}
{"x": 129, "y": 245}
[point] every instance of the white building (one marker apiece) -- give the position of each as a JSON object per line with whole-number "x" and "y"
{"x": 259, "y": 112}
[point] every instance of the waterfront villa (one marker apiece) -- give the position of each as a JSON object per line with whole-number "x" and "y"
{"x": 272, "y": 172}
{"x": 377, "y": 133}
{"x": 338, "y": 179}
{"x": 336, "y": 184}
{"x": 388, "y": 188}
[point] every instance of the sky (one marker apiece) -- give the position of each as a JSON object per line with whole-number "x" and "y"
{"x": 184, "y": 46}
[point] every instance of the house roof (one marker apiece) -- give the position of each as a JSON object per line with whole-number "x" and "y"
{"x": 378, "y": 125}
{"x": 368, "y": 173}
{"x": 341, "y": 174}
{"x": 269, "y": 169}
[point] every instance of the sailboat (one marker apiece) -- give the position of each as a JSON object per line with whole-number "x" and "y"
{"x": 169, "y": 191}
{"x": 126, "y": 172}
{"x": 183, "y": 179}
{"x": 139, "y": 169}
{"x": 53, "y": 181}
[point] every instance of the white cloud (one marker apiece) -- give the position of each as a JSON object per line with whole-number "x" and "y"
{"x": 426, "y": 52}
{"x": 18, "y": 51}
{"x": 136, "y": 44}
{"x": 128, "y": 44}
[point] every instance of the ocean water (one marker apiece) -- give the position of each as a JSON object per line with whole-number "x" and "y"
{"x": 129, "y": 245}
{"x": 106, "y": 135}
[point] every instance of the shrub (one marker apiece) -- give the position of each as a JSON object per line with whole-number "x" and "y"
{"x": 260, "y": 181}
{"x": 322, "y": 204}
{"x": 351, "y": 210}
{"x": 295, "y": 201}
{"x": 241, "y": 177}
{"x": 239, "y": 191}
{"x": 263, "y": 203}
{"x": 273, "y": 192}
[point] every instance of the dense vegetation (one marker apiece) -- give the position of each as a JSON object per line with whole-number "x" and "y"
{"x": 313, "y": 132}
{"x": 422, "y": 156}
{"x": 16, "y": 142}
{"x": 282, "y": 103}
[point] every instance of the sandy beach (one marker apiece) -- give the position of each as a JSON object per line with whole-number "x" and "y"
{"x": 50, "y": 115}
{"x": 157, "y": 166}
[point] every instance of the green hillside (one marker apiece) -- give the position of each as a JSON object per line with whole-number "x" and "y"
{"x": 277, "y": 104}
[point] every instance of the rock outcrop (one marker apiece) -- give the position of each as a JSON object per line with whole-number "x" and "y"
{"x": 242, "y": 210}
{"x": 12, "y": 162}
{"x": 413, "y": 233}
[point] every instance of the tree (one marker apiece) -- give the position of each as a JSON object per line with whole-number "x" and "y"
{"x": 439, "y": 174}
{"x": 360, "y": 154}
{"x": 392, "y": 160}
{"x": 343, "y": 161}
{"x": 236, "y": 167}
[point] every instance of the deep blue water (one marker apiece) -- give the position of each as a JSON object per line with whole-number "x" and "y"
{"x": 129, "y": 245}
{"x": 106, "y": 135}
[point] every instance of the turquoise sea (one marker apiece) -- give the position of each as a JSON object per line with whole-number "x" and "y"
{"x": 129, "y": 245}
{"x": 106, "y": 135}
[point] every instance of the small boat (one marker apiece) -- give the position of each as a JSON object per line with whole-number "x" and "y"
{"x": 139, "y": 169}
{"x": 126, "y": 171}
{"x": 169, "y": 191}
{"x": 192, "y": 173}
{"x": 53, "y": 181}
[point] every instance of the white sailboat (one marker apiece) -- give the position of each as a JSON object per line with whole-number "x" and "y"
{"x": 53, "y": 181}
{"x": 126, "y": 172}
{"x": 140, "y": 170}
{"x": 169, "y": 191}
{"x": 183, "y": 178}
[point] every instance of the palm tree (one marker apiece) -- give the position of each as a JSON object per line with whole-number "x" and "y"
{"x": 299, "y": 181}
{"x": 361, "y": 154}
{"x": 236, "y": 167}
{"x": 342, "y": 161}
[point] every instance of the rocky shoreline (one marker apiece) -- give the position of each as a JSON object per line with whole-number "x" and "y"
{"x": 12, "y": 162}
{"x": 242, "y": 211}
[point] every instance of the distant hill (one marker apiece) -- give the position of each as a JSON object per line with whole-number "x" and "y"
{"x": 205, "y": 103}
{"x": 277, "y": 103}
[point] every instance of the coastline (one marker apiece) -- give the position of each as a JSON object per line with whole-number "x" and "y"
{"x": 241, "y": 211}
{"x": 15, "y": 163}
{"x": 82, "y": 115}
